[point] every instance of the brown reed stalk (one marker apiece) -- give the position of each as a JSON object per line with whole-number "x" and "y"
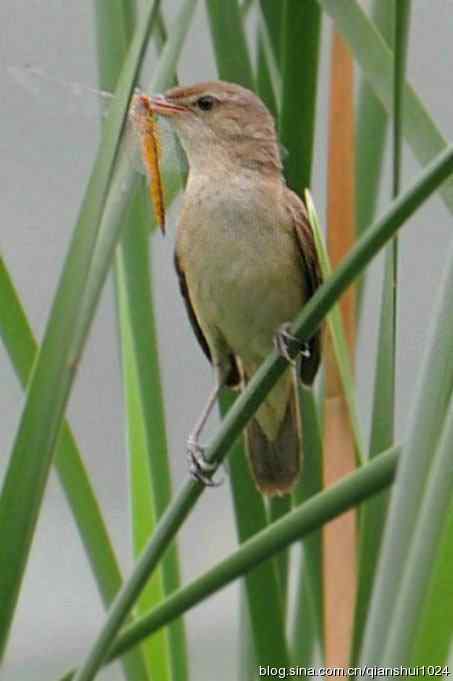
{"x": 339, "y": 537}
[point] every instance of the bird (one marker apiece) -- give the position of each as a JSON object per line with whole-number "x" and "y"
{"x": 246, "y": 261}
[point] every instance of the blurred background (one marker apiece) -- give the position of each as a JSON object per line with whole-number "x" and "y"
{"x": 48, "y": 140}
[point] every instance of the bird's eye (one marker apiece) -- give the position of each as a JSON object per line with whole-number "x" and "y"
{"x": 205, "y": 103}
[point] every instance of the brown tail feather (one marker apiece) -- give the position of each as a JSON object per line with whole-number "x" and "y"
{"x": 276, "y": 464}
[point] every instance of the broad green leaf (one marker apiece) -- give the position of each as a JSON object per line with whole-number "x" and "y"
{"x": 299, "y": 72}
{"x": 225, "y": 21}
{"x": 272, "y": 13}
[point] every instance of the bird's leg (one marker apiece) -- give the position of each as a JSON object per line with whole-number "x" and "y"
{"x": 199, "y": 468}
{"x": 288, "y": 346}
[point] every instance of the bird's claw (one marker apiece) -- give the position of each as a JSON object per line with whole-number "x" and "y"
{"x": 290, "y": 347}
{"x": 199, "y": 468}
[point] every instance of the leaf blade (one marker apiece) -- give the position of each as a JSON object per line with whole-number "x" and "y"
{"x": 301, "y": 25}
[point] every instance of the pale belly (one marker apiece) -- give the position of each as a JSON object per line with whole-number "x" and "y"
{"x": 244, "y": 281}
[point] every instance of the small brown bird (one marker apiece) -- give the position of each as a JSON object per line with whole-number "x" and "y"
{"x": 246, "y": 263}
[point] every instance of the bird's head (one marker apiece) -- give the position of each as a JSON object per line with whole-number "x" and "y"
{"x": 221, "y": 124}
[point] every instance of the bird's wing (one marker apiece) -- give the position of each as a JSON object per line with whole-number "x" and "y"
{"x": 189, "y": 309}
{"x": 233, "y": 377}
{"x": 312, "y": 275}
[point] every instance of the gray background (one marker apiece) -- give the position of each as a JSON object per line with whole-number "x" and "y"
{"x": 47, "y": 146}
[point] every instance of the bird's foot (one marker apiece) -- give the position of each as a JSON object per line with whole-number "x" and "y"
{"x": 199, "y": 468}
{"x": 288, "y": 346}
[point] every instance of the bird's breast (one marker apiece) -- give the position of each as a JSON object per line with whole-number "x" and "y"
{"x": 242, "y": 267}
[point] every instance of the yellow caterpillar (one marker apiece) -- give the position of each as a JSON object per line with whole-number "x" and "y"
{"x": 146, "y": 125}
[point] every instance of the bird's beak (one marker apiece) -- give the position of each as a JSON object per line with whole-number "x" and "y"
{"x": 164, "y": 107}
